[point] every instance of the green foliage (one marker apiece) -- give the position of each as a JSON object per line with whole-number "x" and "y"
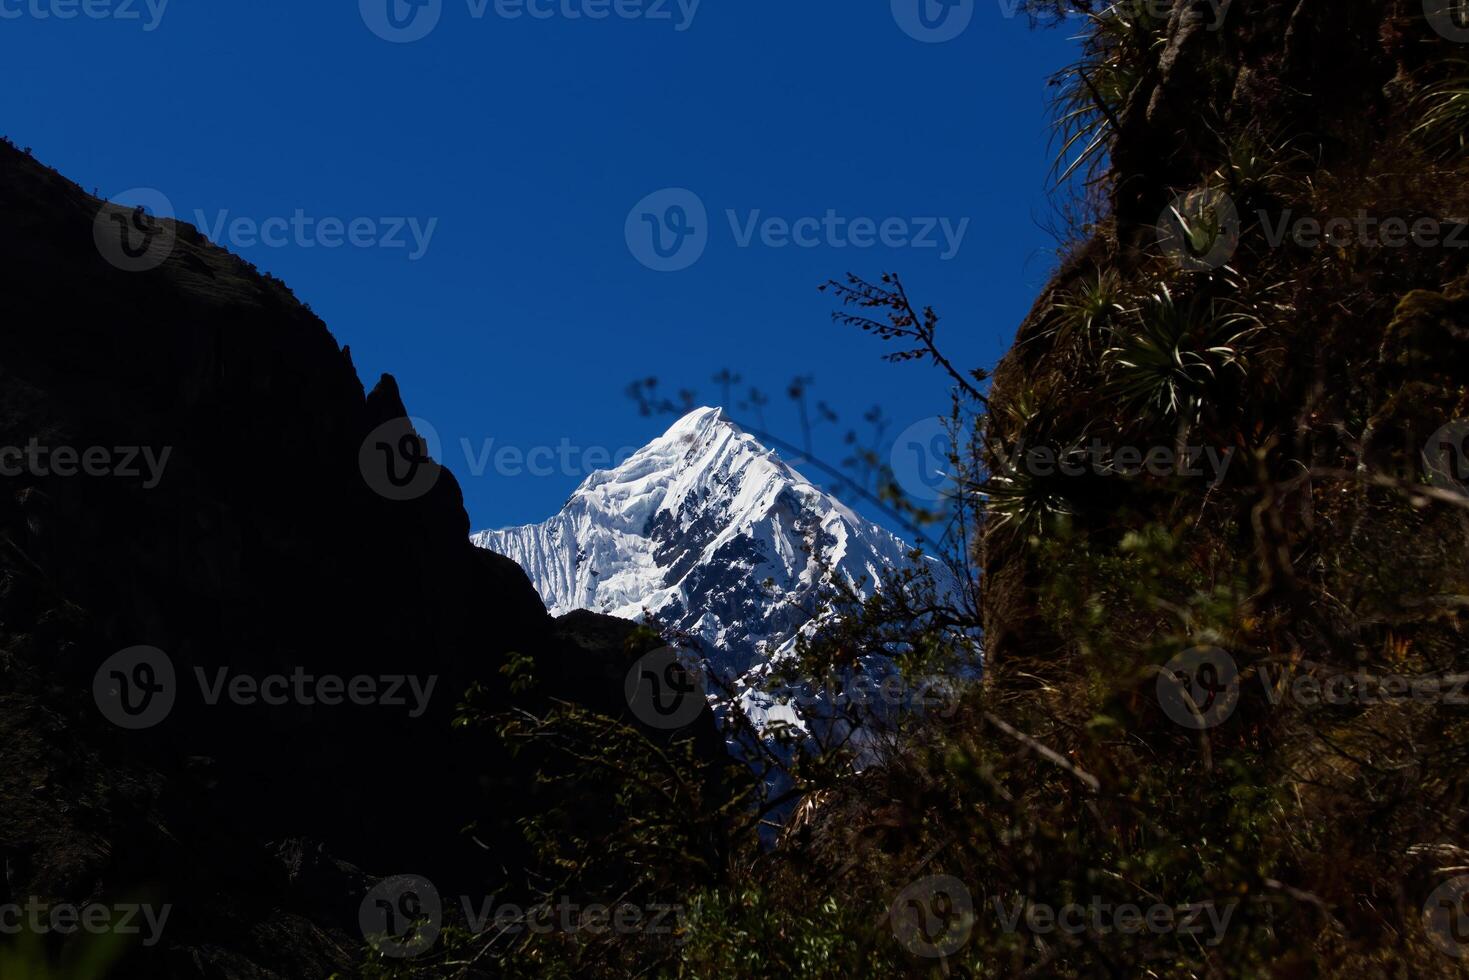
{"x": 519, "y": 669}
{"x": 1122, "y": 42}
{"x": 1202, "y": 221}
{"x": 1444, "y": 125}
{"x": 1258, "y": 168}
{"x": 84, "y": 956}
{"x": 1164, "y": 361}
{"x": 1016, "y": 496}
{"x": 1090, "y": 308}
{"x": 819, "y": 936}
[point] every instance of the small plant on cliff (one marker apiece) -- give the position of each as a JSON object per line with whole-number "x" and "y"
{"x": 1163, "y": 364}
{"x": 1019, "y": 498}
{"x": 1090, "y": 308}
{"x": 1093, "y": 93}
{"x": 1444, "y": 128}
{"x": 1257, "y": 166}
{"x": 1013, "y": 494}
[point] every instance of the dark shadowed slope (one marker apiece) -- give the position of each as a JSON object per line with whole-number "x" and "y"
{"x": 262, "y": 549}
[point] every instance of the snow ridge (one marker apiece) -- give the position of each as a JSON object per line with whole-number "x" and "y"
{"x": 688, "y": 528}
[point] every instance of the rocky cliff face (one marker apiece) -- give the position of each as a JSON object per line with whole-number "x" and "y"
{"x": 1256, "y": 116}
{"x": 1252, "y": 279}
{"x": 260, "y": 541}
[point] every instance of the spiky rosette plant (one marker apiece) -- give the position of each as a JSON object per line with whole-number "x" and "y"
{"x": 1164, "y": 362}
{"x": 1118, "y": 48}
{"x": 1444, "y": 126}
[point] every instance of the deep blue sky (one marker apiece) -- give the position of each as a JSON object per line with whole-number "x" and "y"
{"x": 531, "y": 141}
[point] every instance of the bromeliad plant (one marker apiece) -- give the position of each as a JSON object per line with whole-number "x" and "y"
{"x": 1163, "y": 364}
{"x": 1014, "y": 495}
{"x": 1122, "y": 41}
{"x": 1444, "y": 127}
{"x": 1258, "y": 166}
{"x": 1089, "y": 309}
{"x": 1018, "y": 498}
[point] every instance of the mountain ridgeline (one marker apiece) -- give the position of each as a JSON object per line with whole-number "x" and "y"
{"x": 709, "y": 532}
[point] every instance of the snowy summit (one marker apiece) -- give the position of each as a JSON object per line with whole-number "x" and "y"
{"x": 688, "y": 528}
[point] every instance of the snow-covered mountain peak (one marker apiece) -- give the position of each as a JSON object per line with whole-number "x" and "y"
{"x": 690, "y": 527}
